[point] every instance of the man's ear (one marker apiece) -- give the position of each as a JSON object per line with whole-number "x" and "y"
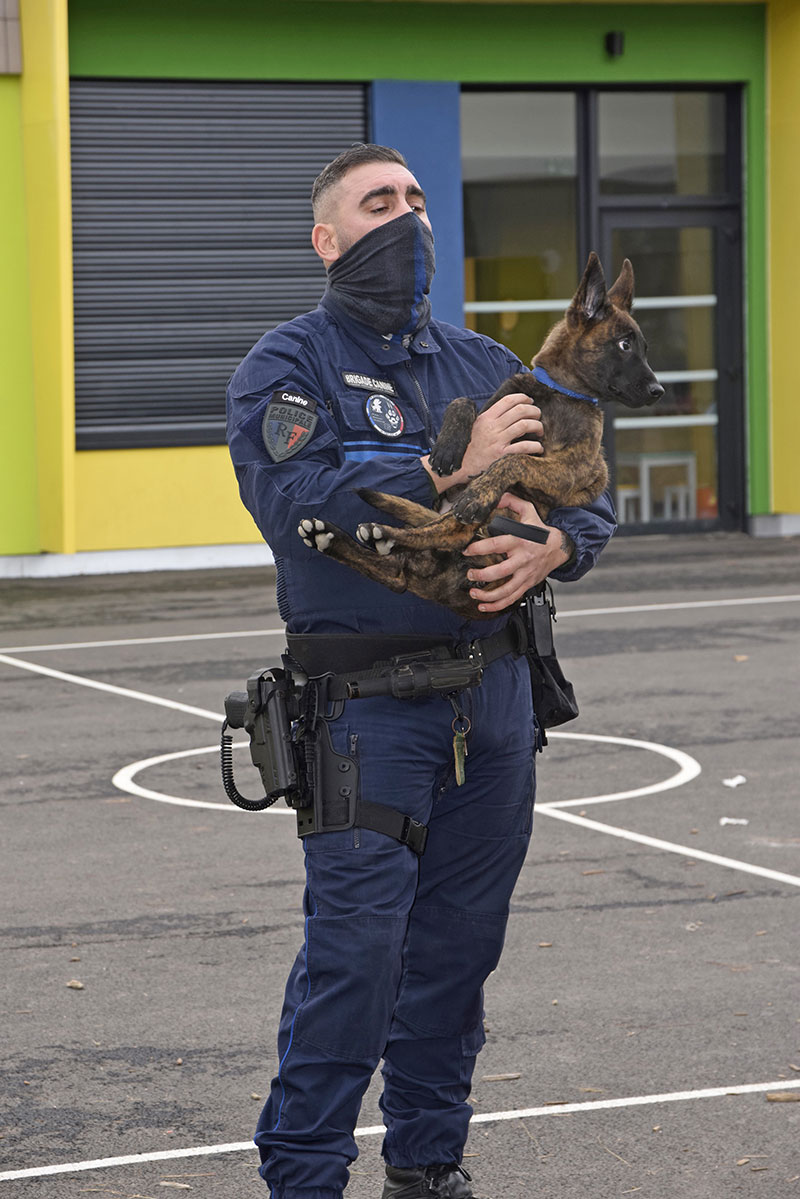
{"x": 621, "y": 292}
{"x": 325, "y": 242}
{"x": 590, "y": 300}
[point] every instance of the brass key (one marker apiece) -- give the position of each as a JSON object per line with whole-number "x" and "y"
{"x": 461, "y": 727}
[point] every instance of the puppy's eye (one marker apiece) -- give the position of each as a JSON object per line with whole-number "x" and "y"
{"x": 625, "y": 344}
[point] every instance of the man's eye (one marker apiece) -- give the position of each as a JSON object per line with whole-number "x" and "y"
{"x": 624, "y": 344}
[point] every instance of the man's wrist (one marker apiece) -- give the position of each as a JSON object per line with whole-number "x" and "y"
{"x": 562, "y": 546}
{"x": 441, "y": 483}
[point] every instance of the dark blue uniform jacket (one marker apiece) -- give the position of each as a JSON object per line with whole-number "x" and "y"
{"x": 341, "y": 365}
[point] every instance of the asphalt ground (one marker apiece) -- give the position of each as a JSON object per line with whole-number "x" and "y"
{"x": 644, "y": 980}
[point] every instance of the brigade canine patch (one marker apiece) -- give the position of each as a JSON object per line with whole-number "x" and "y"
{"x": 289, "y": 421}
{"x": 384, "y": 415}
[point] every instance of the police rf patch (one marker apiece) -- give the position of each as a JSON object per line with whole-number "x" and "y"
{"x": 289, "y": 421}
{"x": 384, "y": 416}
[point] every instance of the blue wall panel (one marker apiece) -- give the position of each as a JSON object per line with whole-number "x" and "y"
{"x": 422, "y": 121}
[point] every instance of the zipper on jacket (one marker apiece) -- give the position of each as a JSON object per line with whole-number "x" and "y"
{"x": 426, "y": 412}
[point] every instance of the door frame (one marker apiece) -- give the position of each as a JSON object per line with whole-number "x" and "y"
{"x": 725, "y": 224}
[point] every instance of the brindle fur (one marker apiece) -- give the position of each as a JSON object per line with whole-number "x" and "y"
{"x": 597, "y": 349}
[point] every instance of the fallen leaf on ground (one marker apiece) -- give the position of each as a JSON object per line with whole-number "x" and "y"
{"x": 783, "y": 1096}
{"x": 74, "y": 985}
{"x": 743, "y": 1161}
{"x": 178, "y": 1186}
{"x": 545, "y": 944}
{"x": 499, "y": 1077}
{"x": 593, "y": 872}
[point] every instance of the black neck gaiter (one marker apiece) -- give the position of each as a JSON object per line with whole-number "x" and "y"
{"x": 383, "y": 280}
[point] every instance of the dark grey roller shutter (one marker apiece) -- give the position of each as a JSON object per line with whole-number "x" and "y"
{"x": 191, "y": 224}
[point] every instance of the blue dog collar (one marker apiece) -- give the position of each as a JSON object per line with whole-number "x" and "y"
{"x": 541, "y": 376}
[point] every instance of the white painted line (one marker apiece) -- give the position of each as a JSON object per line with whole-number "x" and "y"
{"x": 596, "y": 1105}
{"x": 29, "y": 649}
{"x": 686, "y": 851}
{"x": 374, "y": 1130}
{"x": 689, "y": 769}
{"x": 98, "y": 686}
{"x": 129, "y": 1159}
{"x": 280, "y": 632}
{"x": 686, "y": 604}
{"x": 123, "y": 781}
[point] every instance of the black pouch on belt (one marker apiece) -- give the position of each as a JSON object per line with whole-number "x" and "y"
{"x": 553, "y": 696}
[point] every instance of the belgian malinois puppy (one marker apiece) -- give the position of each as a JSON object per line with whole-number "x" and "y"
{"x": 597, "y": 352}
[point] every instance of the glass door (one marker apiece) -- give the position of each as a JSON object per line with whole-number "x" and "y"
{"x": 680, "y": 462}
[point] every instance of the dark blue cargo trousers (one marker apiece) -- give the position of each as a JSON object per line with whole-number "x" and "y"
{"x": 397, "y": 947}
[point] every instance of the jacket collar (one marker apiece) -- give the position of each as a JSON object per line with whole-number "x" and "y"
{"x": 382, "y": 350}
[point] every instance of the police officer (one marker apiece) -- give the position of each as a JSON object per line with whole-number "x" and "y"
{"x": 397, "y": 946}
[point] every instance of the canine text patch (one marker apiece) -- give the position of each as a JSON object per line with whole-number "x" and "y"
{"x": 384, "y": 415}
{"x": 289, "y": 421}
{"x": 367, "y": 383}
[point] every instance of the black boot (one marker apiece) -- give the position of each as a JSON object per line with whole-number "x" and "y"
{"x": 428, "y": 1182}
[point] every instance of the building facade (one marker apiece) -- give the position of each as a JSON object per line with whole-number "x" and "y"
{"x": 157, "y": 161}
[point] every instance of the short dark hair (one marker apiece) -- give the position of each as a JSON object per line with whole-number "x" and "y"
{"x": 354, "y": 156}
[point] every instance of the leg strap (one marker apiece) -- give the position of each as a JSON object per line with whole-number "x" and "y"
{"x": 376, "y": 817}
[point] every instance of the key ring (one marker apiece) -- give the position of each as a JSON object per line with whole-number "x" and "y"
{"x": 461, "y": 724}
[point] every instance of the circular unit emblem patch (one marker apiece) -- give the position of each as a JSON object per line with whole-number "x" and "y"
{"x": 384, "y": 416}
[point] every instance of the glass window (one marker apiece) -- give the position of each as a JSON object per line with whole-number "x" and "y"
{"x": 520, "y": 212}
{"x": 666, "y": 456}
{"x": 672, "y": 143}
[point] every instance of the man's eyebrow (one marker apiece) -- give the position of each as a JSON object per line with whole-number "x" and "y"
{"x": 389, "y": 189}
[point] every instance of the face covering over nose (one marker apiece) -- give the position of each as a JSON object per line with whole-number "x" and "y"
{"x": 384, "y": 278}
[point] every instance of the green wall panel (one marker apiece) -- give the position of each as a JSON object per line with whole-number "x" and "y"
{"x": 472, "y": 43}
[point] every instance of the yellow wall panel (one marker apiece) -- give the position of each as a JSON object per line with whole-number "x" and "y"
{"x": 19, "y": 520}
{"x": 45, "y": 122}
{"x": 138, "y": 499}
{"x": 783, "y": 67}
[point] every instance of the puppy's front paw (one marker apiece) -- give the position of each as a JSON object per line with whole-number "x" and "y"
{"x": 470, "y": 509}
{"x": 375, "y": 537}
{"x": 315, "y": 534}
{"x": 445, "y": 459}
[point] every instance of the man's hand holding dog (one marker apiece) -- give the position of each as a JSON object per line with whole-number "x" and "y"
{"x": 495, "y": 434}
{"x": 526, "y": 563}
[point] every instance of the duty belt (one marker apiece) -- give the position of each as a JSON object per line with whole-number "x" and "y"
{"x": 361, "y": 665}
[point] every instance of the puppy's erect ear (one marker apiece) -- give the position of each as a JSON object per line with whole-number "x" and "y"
{"x": 621, "y": 293}
{"x": 590, "y": 300}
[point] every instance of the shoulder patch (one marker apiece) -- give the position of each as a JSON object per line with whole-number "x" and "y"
{"x": 289, "y": 420}
{"x": 368, "y": 383}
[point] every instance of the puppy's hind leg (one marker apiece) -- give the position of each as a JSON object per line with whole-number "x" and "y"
{"x": 410, "y": 513}
{"x": 445, "y": 533}
{"x": 332, "y": 541}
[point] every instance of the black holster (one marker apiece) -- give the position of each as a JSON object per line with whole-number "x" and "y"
{"x": 333, "y": 780}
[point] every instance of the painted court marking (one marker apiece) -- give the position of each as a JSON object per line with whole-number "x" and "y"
{"x": 688, "y": 769}
{"x": 281, "y": 632}
{"x": 135, "y": 1159}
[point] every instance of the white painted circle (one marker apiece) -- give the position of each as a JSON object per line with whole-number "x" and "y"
{"x": 124, "y": 781}
{"x": 689, "y": 768}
